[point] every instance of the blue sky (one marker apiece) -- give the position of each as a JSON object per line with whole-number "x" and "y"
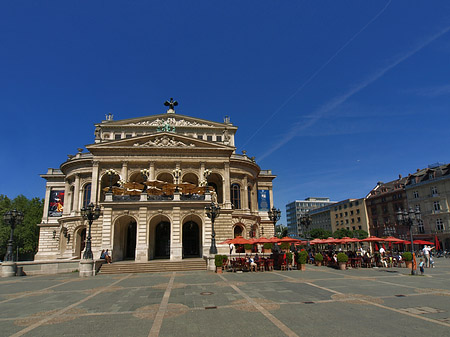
{"x": 333, "y": 96}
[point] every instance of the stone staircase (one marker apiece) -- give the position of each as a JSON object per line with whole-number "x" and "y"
{"x": 154, "y": 266}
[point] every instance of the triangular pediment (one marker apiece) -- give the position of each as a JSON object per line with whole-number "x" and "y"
{"x": 160, "y": 140}
{"x": 162, "y": 120}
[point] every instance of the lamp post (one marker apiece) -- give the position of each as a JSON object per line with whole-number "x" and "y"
{"x": 90, "y": 214}
{"x": 409, "y": 218}
{"x": 12, "y": 218}
{"x": 305, "y": 222}
{"x": 212, "y": 212}
{"x": 274, "y": 216}
{"x": 111, "y": 173}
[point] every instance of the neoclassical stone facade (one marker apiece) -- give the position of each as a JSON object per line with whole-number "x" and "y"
{"x": 131, "y": 172}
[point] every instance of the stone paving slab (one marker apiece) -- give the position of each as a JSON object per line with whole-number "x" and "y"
{"x": 317, "y": 302}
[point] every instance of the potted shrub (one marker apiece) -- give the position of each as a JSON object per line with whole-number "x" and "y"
{"x": 248, "y": 248}
{"x": 318, "y": 258}
{"x": 302, "y": 258}
{"x": 218, "y": 260}
{"x": 289, "y": 259}
{"x": 285, "y": 246}
{"x": 267, "y": 248}
{"x": 407, "y": 257}
{"x": 342, "y": 260}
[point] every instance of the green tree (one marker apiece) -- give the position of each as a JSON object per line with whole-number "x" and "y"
{"x": 319, "y": 233}
{"x": 281, "y": 231}
{"x": 360, "y": 234}
{"x": 340, "y": 233}
{"x": 26, "y": 235}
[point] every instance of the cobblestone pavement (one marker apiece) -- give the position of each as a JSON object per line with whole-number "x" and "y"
{"x": 317, "y": 302}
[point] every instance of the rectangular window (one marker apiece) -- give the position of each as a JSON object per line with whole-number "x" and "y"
{"x": 353, "y": 220}
{"x": 439, "y": 225}
{"x": 356, "y": 203}
{"x": 346, "y": 213}
{"x": 434, "y": 191}
{"x": 346, "y": 221}
{"x": 117, "y": 136}
{"x": 209, "y": 138}
{"x": 199, "y": 136}
{"x": 351, "y": 212}
{"x": 420, "y": 227}
{"x": 218, "y": 138}
{"x": 357, "y": 211}
{"x": 416, "y": 194}
{"x": 128, "y": 135}
{"x": 359, "y": 219}
{"x": 436, "y": 206}
{"x": 359, "y": 227}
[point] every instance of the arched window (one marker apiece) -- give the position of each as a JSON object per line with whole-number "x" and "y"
{"x": 86, "y": 195}
{"x": 236, "y": 196}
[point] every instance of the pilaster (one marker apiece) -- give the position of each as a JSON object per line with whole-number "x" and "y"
{"x": 142, "y": 236}
{"x": 176, "y": 249}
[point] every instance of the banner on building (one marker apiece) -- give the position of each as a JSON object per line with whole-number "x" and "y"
{"x": 263, "y": 200}
{"x": 56, "y": 204}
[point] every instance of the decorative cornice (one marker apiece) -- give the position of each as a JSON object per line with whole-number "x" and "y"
{"x": 171, "y": 121}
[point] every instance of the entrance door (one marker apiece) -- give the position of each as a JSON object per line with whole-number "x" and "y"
{"x": 191, "y": 240}
{"x": 162, "y": 240}
{"x": 130, "y": 250}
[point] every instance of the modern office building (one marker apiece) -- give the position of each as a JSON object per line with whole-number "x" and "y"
{"x": 153, "y": 177}
{"x": 350, "y": 214}
{"x": 298, "y": 208}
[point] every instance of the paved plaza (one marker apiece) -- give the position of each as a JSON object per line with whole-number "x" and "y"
{"x": 317, "y": 302}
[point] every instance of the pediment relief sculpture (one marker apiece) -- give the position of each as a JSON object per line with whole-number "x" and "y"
{"x": 170, "y": 121}
{"x": 164, "y": 141}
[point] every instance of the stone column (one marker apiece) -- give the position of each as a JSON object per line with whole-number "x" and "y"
{"x": 227, "y": 186}
{"x": 94, "y": 183}
{"x": 142, "y": 236}
{"x": 46, "y": 203}
{"x": 76, "y": 203}
{"x": 66, "y": 209}
{"x": 245, "y": 194}
{"x": 125, "y": 171}
{"x": 176, "y": 246}
{"x": 152, "y": 171}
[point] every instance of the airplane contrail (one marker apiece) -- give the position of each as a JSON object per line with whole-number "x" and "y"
{"x": 299, "y": 89}
{"x": 335, "y": 102}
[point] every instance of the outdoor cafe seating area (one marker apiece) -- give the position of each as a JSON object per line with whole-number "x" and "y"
{"x": 365, "y": 253}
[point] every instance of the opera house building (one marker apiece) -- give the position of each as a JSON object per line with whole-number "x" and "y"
{"x": 153, "y": 178}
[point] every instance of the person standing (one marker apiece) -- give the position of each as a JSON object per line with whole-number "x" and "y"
{"x": 426, "y": 253}
{"x": 231, "y": 248}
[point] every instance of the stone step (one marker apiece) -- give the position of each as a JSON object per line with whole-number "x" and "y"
{"x": 153, "y": 266}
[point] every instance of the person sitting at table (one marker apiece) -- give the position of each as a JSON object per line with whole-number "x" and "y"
{"x": 253, "y": 265}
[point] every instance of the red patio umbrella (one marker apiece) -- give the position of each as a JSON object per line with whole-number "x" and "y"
{"x": 263, "y": 240}
{"x": 227, "y": 241}
{"x": 315, "y": 241}
{"x": 423, "y": 242}
{"x": 288, "y": 240}
{"x": 393, "y": 240}
{"x": 372, "y": 239}
{"x": 239, "y": 240}
{"x": 437, "y": 245}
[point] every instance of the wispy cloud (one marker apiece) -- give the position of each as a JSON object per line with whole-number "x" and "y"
{"x": 441, "y": 90}
{"x": 314, "y": 75}
{"x": 337, "y": 101}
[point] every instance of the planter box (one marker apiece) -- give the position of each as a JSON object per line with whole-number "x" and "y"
{"x": 267, "y": 250}
{"x": 219, "y": 270}
{"x": 408, "y": 264}
{"x": 318, "y": 263}
{"x": 301, "y": 266}
{"x": 342, "y": 265}
{"x": 248, "y": 251}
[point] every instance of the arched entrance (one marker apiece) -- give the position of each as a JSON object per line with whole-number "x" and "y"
{"x": 191, "y": 239}
{"x": 80, "y": 242}
{"x": 124, "y": 247}
{"x": 162, "y": 240}
{"x": 237, "y": 231}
